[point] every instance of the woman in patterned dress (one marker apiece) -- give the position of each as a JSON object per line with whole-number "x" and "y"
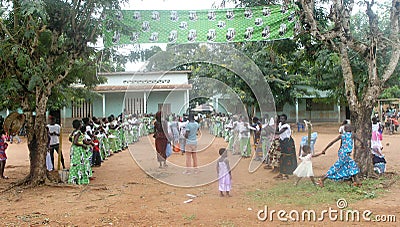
{"x": 345, "y": 167}
{"x": 78, "y": 173}
{"x": 274, "y": 152}
{"x": 288, "y": 159}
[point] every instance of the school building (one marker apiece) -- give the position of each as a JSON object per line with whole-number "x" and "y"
{"x": 133, "y": 93}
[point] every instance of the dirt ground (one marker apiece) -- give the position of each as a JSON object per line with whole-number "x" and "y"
{"x": 122, "y": 194}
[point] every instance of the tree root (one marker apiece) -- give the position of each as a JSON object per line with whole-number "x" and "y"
{"x": 21, "y": 184}
{"x": 51, "y": 179}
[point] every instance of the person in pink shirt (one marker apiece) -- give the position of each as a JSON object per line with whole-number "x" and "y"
{"x": 3, "y": 156}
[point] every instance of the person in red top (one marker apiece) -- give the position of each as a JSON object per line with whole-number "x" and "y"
{"x": 3, "y": 156}
{"x": 161, "y": 139}
{"x": 96, "y": 158}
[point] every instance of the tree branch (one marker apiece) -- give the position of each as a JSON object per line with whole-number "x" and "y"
{"x": 4, "y": 28}
{"x": 348, "y": 79}
{"x": 395, "y": 40}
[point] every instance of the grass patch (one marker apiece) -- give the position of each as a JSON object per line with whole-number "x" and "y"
{"x": 226, "y": 223}
{"x": 189, "y": 217}
{"x": 306, "y": 194}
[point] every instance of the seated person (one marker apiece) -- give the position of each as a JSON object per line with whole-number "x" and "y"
{"x": 378, "y": 159}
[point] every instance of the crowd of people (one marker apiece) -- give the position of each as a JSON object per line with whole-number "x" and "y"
{"x": 281, "y": 156}
{"x": 94, "y": 140}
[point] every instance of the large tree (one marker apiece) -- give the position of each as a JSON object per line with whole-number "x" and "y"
{"x": 379, "y": 49}
{"x": 45, "y": 46}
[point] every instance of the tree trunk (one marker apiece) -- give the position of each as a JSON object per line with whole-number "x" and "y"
{"x": 360, "y": 113}
{"x": 37, "y": 151}
{"x": 362, "y": 129}
{"x": 37, "y": 145}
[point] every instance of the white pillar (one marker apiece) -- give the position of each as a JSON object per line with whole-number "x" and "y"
{"x": 187, "y": 99}
{"x": 144, "y": 102}
{"x": 64, "y": 113}
{"x": 7, "y": 112}
{"x": 216, "y": 105}
{"x": 104, "y": 104}
{"x": 339, "y": 110}
{"x": 123, "y": 105}
{"x": 381, "y": 112}
{"x": 297, "y": 110}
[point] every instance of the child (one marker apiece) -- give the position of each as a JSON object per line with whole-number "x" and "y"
{"x": 305, "y": 167}
{"x": 96, "y": 158}
{"x": 341, "y": 128}
{"x": 224, "y": 173}
{"x": 3, "y": 156}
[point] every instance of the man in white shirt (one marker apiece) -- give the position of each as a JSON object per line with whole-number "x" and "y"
{"x": 54, "y": 133}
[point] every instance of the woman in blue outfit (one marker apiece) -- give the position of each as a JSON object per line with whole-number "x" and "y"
{"x": 345, "y": 167}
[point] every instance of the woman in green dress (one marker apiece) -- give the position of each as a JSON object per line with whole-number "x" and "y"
{"x": 78, "y": 173}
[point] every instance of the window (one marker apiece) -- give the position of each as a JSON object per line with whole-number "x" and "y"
{"x": 82, "y": 109}
{"x": 134, "y": 105}
{"x": 311, "y": 105}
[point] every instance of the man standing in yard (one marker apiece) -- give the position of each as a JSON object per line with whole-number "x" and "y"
{"x": 191, "y": 144}
{"x": 54, "y": 133}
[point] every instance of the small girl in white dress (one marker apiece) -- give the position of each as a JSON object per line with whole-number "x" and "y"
{"x": 224, "y": 173}
{"x": 305, "y": 169}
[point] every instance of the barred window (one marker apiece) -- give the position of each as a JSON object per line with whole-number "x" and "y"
{"x": 312, "y": 105}
{"x": 82, "y": 109}
{"x": 134, "y": 105}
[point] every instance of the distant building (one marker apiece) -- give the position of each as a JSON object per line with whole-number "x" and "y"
{"x": 135, "y": 93}
{"x": 148, "y": 92}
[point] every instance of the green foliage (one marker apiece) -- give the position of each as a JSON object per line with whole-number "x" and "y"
{"x": 45, "y": 41}
{"x": 391, "y": 92}
{"x": 48, "y": 48}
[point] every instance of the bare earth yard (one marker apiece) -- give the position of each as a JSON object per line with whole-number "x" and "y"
{"x": 122, "y": 194}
